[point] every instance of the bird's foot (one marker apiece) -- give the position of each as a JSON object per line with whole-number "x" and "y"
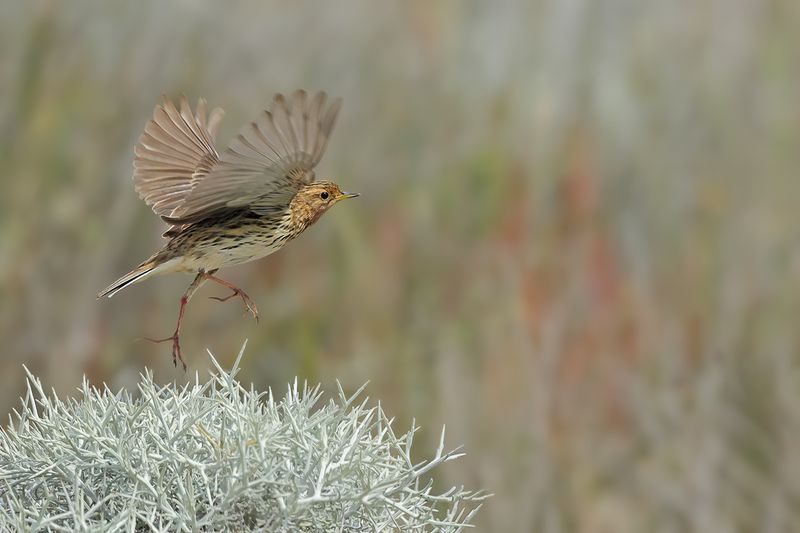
{"x": 176, "y": 348}
{"x": 248, "y": 302}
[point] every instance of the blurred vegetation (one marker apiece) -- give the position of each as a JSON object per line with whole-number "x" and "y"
{"x": 576, "y": 243}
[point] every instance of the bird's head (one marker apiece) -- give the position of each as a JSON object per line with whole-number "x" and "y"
{"x": 312, "y": 200}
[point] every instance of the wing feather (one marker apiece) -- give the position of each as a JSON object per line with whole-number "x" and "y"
{"x": 280, "y": 117}
{"x": 175, "y": 148}
{"x": 264, "y": 165}
{"x": 299, "y": 119}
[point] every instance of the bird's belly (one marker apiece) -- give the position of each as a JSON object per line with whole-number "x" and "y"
{"x": 233, "y": 250}
{"x": 225, "y": 242}
{"x": 246, "y": 252}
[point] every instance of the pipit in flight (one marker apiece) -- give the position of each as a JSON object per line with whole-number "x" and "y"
{"x": 231, "y": 207}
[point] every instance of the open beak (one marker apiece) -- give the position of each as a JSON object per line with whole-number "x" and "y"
{"x": 347, "y": 195}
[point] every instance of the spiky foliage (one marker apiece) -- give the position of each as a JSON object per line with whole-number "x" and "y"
{"x": 215, "y": 456}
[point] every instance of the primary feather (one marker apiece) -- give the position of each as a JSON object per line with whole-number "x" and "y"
{"x": 174, "y": 149}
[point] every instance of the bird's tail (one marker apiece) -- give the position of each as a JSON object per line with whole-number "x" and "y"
{"x": 139, "y": 273}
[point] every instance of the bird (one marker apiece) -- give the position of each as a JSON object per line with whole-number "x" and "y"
{"x": 233, "y": 206}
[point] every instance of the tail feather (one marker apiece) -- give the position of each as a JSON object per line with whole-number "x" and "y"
{"x": 135, "y": 275}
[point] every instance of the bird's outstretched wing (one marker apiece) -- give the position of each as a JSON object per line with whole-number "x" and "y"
{"x": 179, "y": 173}
{"x": 174, "y": 152}
{"x": 267, "y": 162}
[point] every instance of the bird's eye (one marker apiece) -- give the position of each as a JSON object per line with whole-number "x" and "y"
{"x": 324, "y": 195}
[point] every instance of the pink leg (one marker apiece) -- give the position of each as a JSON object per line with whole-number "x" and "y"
{"x": 175, "y": 337}
{"x": 251, "y": 306}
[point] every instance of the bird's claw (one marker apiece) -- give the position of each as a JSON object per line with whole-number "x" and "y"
{"x": 248, "y": 302}
{"x": 176, "y": 348}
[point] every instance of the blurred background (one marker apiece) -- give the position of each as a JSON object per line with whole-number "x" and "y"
{"x": 576, "y": 245}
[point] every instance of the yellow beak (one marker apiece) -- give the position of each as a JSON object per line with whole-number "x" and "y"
{"x": 347, "y": 195}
